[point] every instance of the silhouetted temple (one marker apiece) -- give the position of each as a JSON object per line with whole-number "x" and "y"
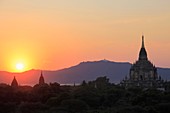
{"x": 41, "y": 79}
{"x": 143, "y": 73}
{"x": 14, "y": 83}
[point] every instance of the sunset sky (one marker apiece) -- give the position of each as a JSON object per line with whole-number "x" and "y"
{"x": 55, "y": 34}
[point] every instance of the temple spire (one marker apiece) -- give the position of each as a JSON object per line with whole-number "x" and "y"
{"x": 143, "y": 53}
{"x": 41, "y": 79}
{"x": 143, "y": 45}
{"x": 41, "y": 74}
{"x": 14, "y": 83}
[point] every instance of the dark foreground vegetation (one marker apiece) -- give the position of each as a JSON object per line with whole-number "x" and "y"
{"x": 97, "y": 96}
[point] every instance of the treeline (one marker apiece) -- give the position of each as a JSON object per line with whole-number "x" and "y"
{"x": 98, "y": 96}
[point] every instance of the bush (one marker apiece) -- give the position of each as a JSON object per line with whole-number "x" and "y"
{"x": 75, "y": 106}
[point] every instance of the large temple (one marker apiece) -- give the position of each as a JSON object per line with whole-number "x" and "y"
{"x": 143, "y": 73}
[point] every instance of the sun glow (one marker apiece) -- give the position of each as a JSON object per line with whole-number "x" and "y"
{"x": 20, "y": 66}
{"x": 20, "y": 63}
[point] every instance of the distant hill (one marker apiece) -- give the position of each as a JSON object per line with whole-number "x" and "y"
{"x": 90, "y": 70}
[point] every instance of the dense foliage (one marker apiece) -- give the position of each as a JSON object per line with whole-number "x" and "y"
{"x": 97, "y": 96}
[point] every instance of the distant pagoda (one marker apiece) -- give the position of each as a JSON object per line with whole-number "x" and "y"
{"x": 14, "y": 83}
{"x": 143, "y": 73}
{"x": 41, "y": 79}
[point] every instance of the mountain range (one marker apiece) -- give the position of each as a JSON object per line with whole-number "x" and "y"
{"x": 90, "y": 70}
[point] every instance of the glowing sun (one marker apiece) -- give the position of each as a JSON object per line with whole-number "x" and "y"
{"x": 19, "y": 66}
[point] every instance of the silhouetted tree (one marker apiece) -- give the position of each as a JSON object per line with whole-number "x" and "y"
{"x": 75, "y": 106}
{"x": 32, "y": 108}
{"x": 84, "y": 83}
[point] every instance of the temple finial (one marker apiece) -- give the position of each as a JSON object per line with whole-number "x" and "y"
{"x": 143, "y": 46}
{"x": 143, "y": 53}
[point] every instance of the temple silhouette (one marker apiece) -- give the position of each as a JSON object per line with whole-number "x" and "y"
{"x": 15, "y": 84}
{"x": 41, "y": 79}
{"x": 143, "y": 73}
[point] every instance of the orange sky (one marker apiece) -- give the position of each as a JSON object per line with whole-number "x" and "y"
{"x": 54, "y": 34}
